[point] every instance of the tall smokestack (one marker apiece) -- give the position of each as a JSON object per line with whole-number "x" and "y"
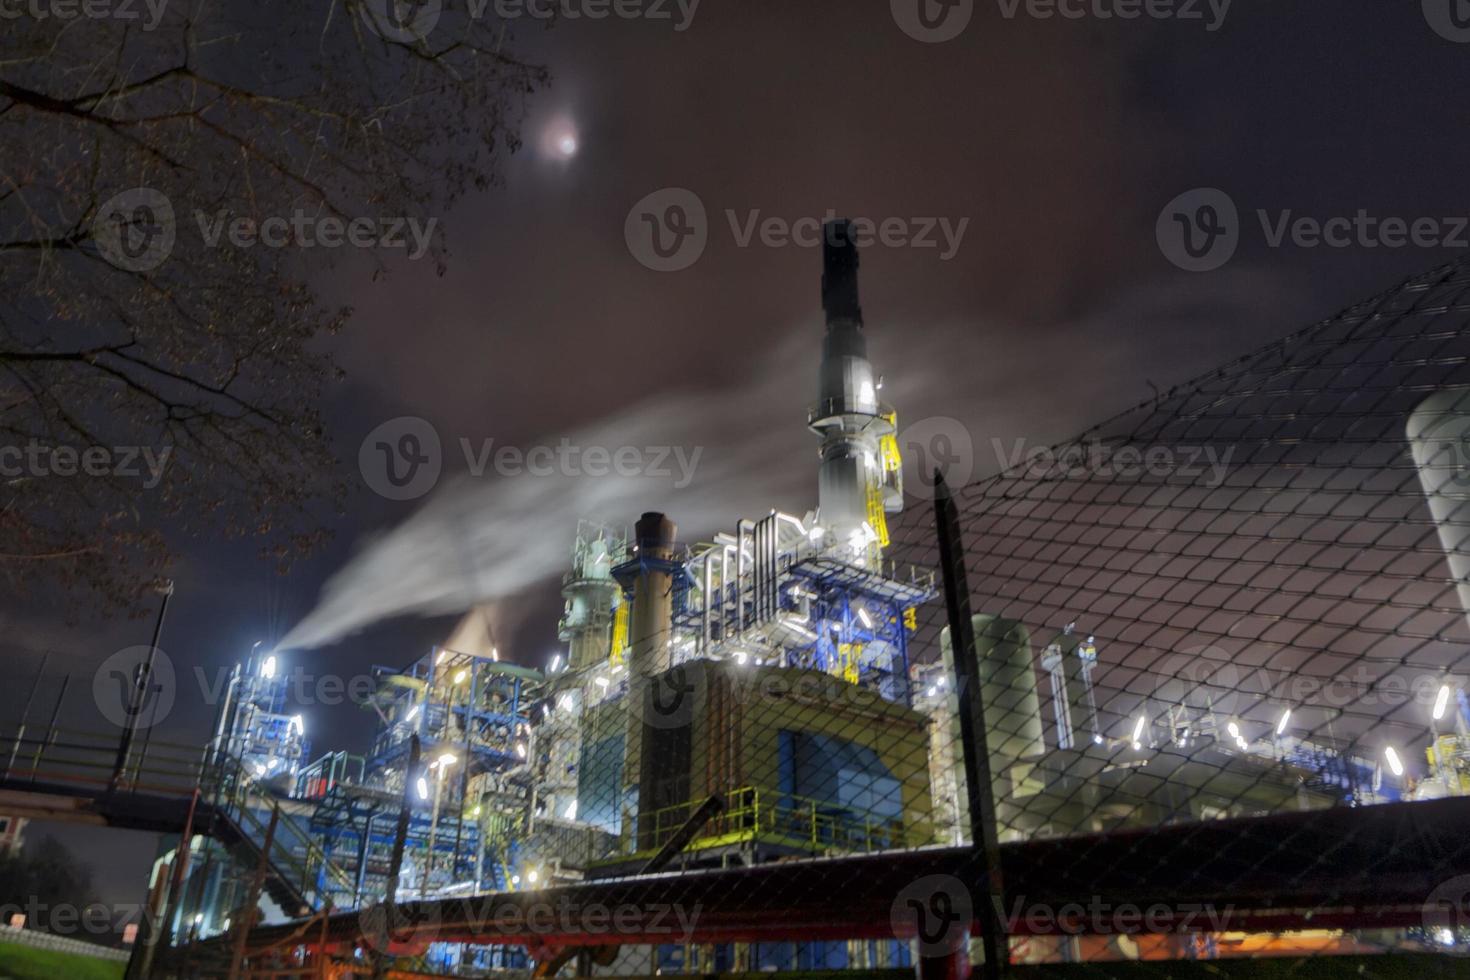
{"x": 847, "y": 416}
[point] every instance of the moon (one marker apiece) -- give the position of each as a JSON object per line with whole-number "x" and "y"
{"x": 559, "y": 139}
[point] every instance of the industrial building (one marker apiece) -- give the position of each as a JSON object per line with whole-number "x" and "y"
{"x": 781, "y": 669}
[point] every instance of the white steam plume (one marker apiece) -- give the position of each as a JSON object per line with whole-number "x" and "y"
{"x": 479, "y": 539}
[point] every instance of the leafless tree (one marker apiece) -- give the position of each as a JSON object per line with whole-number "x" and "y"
{"x": 142, "y": 144}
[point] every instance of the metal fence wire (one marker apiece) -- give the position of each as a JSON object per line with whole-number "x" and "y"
{"x": 1214, "y": 649}
{"x": 1244, "y": 598}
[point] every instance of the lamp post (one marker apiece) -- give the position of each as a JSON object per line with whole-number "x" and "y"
{"x": 440, "y": 766}
{"x": 138, "y": 697}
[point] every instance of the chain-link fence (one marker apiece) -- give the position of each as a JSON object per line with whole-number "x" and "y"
{"x": 1219, "y": 647}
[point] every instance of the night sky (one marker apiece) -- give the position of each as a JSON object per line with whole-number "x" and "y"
{"x": 1060, "y": 141}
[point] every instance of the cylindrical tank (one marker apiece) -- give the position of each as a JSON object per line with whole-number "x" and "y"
{"x": 1008, "y": 685}
{"x": 652, "y": 616}
{"x": 1012, "y": 711}
{"x": 1439, "y": 438}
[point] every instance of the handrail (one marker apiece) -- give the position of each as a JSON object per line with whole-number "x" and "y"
{"x": 756, "y": 810}
{"x": 81, "y": 758}
{"x": 234, "y": 789}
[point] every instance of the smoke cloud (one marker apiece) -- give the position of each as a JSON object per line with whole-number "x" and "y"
{"x": 479, "y": 539}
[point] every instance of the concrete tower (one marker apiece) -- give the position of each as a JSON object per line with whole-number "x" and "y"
{"x": 853, "y": 488}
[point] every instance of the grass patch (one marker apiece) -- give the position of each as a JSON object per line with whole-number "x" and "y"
{"x": 28, "y": 963}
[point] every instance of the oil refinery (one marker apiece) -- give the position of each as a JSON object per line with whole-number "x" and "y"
{"x": 786, "y": 670}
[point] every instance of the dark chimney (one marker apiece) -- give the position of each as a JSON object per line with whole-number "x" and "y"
{"x": 839, "y": 272}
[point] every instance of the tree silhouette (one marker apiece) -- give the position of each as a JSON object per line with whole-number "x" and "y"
{"x": 158, "y": 365}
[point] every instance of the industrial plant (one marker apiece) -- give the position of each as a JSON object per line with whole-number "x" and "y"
{"x": 784, "y": 690}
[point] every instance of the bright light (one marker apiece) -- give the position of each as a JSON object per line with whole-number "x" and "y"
{"x": 1285, "y": 720}
{"x": 571, "y": 813}
{"x": 931, "y": 691}
{"x": 495, "y": 654}
{"x": 476, "y": 811}
{"x": 298, "y": 724}
{"x": 532, "y": 875}
{"x": 1394, "y": 765}
{"x": 412, "y": 714}
{"x": 515, "y": 879}
{"x": 796, "y": 625}
{"x": 521, "y": 749}
{"x": 423, "y": 787}
{"x": 555, "y": 663}
{"x": 568, "y": 145}
{"x": 459, "y": 677}
{"x": 268, "y": 669}
{"x": 447, "y": 759}
{"x": 740, "y": 656}
{"x": 1446, "y": 937}
{"x": 1234, "y": 730}
{"x": 865, "y": 618}
{"x": 1138, "y": 732}
{"x": 603, "y": 682}
{"x": 1441, "y": 701}
{"x": 816, "y": 532}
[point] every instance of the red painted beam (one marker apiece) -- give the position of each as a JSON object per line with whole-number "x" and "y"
{"x": 1370, "y": 867}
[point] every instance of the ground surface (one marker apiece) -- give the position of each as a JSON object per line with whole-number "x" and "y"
{"x": 26, "y": 963}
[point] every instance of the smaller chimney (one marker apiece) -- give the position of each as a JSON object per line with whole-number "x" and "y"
{"x": 653, "y": 602}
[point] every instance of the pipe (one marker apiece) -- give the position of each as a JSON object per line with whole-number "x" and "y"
{"x": 743, "y": 568}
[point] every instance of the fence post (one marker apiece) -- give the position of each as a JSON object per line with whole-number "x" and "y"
{"x": 984, "y": 863}
{"x": 26, "y": 714}
{"x": 395, "y": 867}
